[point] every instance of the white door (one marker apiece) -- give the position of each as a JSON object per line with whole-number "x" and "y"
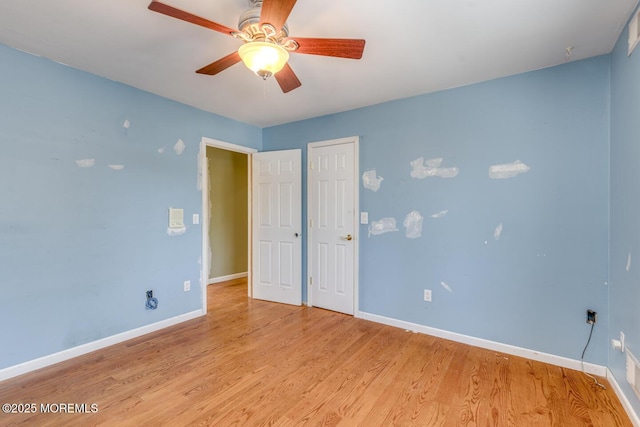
{"x": 333, "y": 228}
{"x": 276, "y": 221}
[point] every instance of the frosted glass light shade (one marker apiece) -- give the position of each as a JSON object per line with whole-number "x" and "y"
{"x": 264, "y": 59}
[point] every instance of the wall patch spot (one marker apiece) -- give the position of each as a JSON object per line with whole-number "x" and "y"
{"x": 447, "y": 287}
{"x": 86, "y": 163}
{"x": 440, "y": 214}
{"x": 116, "y": 167}
{"x": 425, "y": 168}
{"x": 629, "y": 261}
{"x": 126, "y": 124}
{"x": 161, "y": 150}
{"x": 507, "y": 170}
{"x": 413, "y": 224}
{"x": 385, "y": 225}
{"x": 179, "y": 147}
{"x": 176, "y": 231}
{"x": 498, "y": 232}
{"x": 371, "y": 181}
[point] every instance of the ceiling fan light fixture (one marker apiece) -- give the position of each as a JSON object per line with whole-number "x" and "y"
{"x": 263, "y": 58}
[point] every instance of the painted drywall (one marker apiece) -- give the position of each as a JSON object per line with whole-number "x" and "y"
{"x": 513, "y": 190}
{"x": 624, "y": 258}
{"x": 229, "y": 226}
{"x": 89, "y": 169}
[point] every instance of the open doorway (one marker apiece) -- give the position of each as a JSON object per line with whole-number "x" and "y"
{"x": 226, "y": 207}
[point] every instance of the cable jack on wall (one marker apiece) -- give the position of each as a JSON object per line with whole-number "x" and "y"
{"x": 152, "y": 303}
{"x": 592, "y": 318}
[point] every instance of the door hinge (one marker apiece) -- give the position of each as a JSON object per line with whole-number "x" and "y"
{"x": 310, "y": 164}
{"x": 310, "y": 281}
{"x": 311, "y": 223}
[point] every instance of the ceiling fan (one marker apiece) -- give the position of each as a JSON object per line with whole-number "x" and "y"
{"x": 267, "y": 44}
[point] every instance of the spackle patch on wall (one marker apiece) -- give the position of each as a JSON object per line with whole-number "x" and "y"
{"x": 86, "y": 163}
{"x": 497, "y": 232}
{"x": 440, "y": 214}
{"x": 176, "y": 231}
{"x": 629, "y": 261}
{"x": 126, "y": 124}
{"x": 116, "y": 167}
{"x": 507, "y": 170}
{"x": 413, "y": 224}
{"x": 425, "y": 168}
{"x": 179, "y": 147}
{"x": 385, "y": 225}
{"x": 370, "y": 181}
{"x": 447, "y": 287}
{"x": 161, "y": 150}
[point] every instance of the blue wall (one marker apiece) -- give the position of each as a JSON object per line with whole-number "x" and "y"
{"x": 624, "y": 289}
{"x": 80, "y": 246}
{"x": 531, "y": 287}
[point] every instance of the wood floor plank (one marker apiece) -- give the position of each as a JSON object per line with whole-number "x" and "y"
{"x": 255, "y": 363}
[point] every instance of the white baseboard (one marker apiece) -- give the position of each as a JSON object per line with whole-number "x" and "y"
{"x": 227, "y": 277}
{"x": 623, "y": 399}
{"x": 41, "y": 362}
{"x": 552, "y": 359}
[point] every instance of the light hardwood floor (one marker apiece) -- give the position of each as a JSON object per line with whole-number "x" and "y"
{"x": 252, "y": 363}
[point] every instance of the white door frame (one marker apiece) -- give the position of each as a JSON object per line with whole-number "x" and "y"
{"x": 355, "y": 140}
{"x": 204, "y": 181}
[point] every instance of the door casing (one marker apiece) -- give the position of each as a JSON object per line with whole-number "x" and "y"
{"x": 204, "y": 220}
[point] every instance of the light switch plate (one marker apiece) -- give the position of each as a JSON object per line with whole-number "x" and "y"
{"x": 196, "y": 219}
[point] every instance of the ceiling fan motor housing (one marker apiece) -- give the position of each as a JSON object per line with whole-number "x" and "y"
{"x": 249, "y": 21}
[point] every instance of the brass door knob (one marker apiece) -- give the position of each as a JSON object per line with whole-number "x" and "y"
{"x": 349, "y": 237}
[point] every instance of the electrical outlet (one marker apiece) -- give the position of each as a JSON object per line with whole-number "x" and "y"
{"x": 592, "y": 317}
{"x": 187, "y": 285}
{"x": 427, "y": 295}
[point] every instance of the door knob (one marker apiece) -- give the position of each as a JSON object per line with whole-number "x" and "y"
{"x": 349, "y": 237}
{"x": 298, "y": 234}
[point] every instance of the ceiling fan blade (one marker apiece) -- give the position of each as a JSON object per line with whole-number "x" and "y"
{"x": 276, "y": 12}
{"x": 171, "y": 11}
{"x": 287, "y": 79}
{"x": 342, "y": 48}
{"x": 220, "y": 65}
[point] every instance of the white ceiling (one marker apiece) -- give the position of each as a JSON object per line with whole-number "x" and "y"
{"x": 413, "y": 47}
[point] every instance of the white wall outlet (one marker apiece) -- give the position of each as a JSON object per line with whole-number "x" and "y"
{"x": 187, "y": 285}
{"x": 427, "y": 295}
{"x": 622, "y": 341}
{"x": 364, "y": 217}
{"x": 196, "y": 219}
